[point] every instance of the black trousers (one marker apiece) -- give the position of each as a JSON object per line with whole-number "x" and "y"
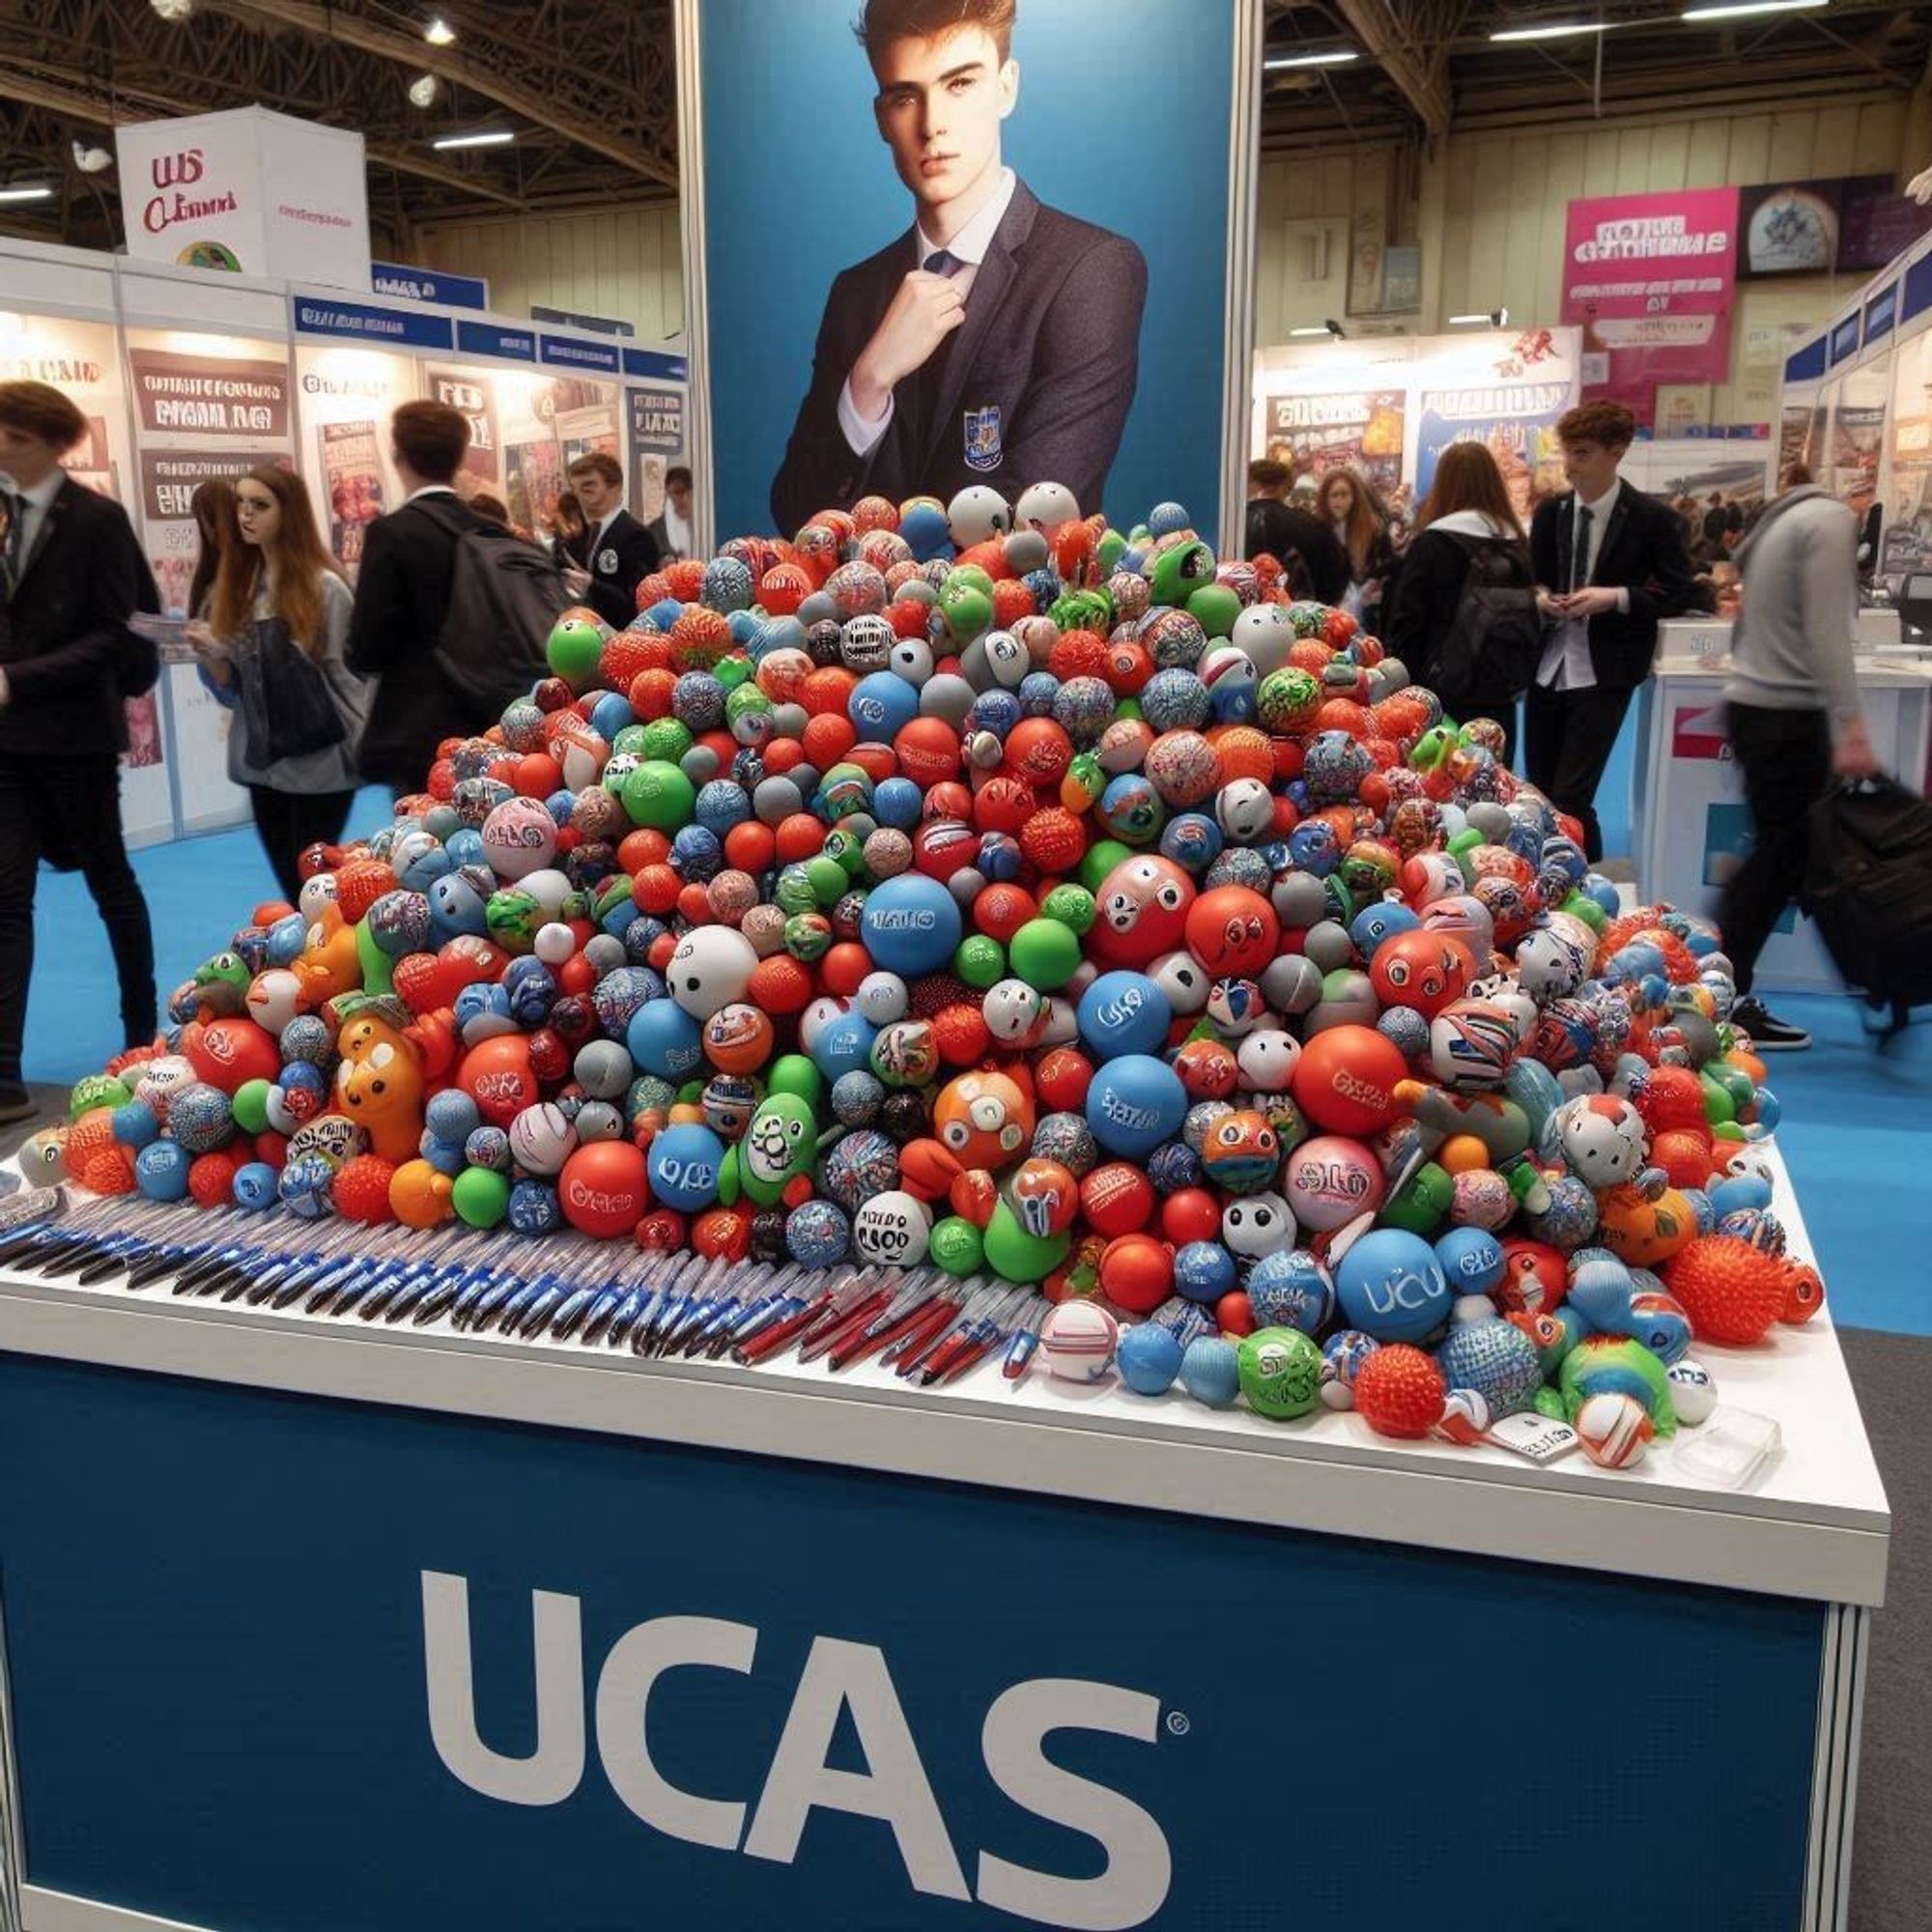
{"x": 69, "y": 811}
{"x": 1566, "y": 740}
{"x": 1786, "y": 757}
{"x": 289, "y": 822}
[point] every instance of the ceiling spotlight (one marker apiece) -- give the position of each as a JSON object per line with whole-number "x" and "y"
{"x": 173, "y": 10}
{"x": 422, "y": 90}
{"x": 440, "y": 33}
{"x": 488, "y": 138}
{"x": 1491, "y": 318}
{"x": 1553, "y": 30}
{"x": 91, "y": 160}
{"x": 1738, "y": 12}
{"x": 38, "y": 191}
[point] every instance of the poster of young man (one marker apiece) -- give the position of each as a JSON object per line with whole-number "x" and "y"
{"x": 985, "y": 276}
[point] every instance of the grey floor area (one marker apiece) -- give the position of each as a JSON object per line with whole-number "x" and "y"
{"x": 1892, "y": 1860}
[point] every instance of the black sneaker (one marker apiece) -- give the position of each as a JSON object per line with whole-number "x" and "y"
{"x": 1768, "y": 1033}
{"x": 15, "y": 1104}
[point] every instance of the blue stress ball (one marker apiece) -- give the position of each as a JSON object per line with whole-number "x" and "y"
{"x": 882, "y": 706}
{"x": 1136, "y": 1104}
{"x": 1203, "y": 1271}
{"x": 254, "y": 1187}
{"x": 665, "y": 1040}
{"x": 1472, "y": 1258}
{"x": 911, "y": 925}
{"x": 161, "y": 1169}
{"x": 1124, "y": 1012}
{"x": 1211, "y": 1371}
{"x": 1148, "y": 1357}
{"x": 683, "y": 1165}
{"x": 1289, "y": 1288}
{"x": 1391, "y": 1285}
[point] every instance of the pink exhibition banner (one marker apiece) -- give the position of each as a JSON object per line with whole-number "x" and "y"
{"x": 1651, "y": 279}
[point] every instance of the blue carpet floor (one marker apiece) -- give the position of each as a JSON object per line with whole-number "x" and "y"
{"x": 1857, "y": 1127}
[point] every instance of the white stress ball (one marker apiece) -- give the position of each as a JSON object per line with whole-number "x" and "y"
{"x": 1256, "y": 1225}
{"x": 883, "y": 998}
{"x": 550, "y": 888}
{"x": 316, "y": 893}
{"x": 1008, "y": 661}
{"x": 1468, "y": 1308}
{"x": 1061, "y": 1027}
{"x": 1011, "y": 1009}
{"x": 1078, "y": 1341}
{"x": 555, "y": 943}
{"x": 541, "y": 1139}
{"x": 1613, "y": 1428}
{"x": 816, "y": 1017}
{"x": 1266, "y": 1060}
{"x": 976, "y": 513}
{"x": 893, "y": 1229}
{"x": 1044, "y": 508}
{"x": 1265, "y": 635}
{"x": 711, "y": 968}
{"x": 1244, "y": 810}
{"x": 911, "y": 659}
{"x": 274, "y": 999}
{"x": 1694, "y": 1391}
{"x": 1182, "y": 979}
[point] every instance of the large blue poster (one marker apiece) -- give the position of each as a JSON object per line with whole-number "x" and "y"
{"x": 283, "y": 1662}
{"x": 994, "y": 251}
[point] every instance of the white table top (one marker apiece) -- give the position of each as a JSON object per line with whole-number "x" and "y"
{"x": 1813, "y": 1523}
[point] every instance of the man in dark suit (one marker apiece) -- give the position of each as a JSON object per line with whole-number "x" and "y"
{"x": 1316, "y": 564}
{"x": 995, "y": 342}
{"x": 402, "y": 597}
{"x": 1609, "y": 566}
{"x": 72, "y": 575}
{"x": 615, "y": 553}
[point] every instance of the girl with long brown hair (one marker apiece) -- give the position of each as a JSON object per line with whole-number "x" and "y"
{"x": 274, "y": 651}
{"x": 1466, "y": 523}
{"x": 1350, "y": 508}
{"x": 213, "y": 508}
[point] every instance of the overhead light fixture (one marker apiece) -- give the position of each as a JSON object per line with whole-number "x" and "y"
{"x": 440, "y": 33}
{"x": 1333, "y": 57}
{"x": 91, "y": 160}
{"x": 1737, "y": 10}
{"x": 40, "y": 192}
{"x": 173, "y": 10}
{"x": 422, "y": 90}
{"x": 1494, "y": 318}
{"x": 1319, "y": 328}
{"x": 1554, "y": 30}
{"x": 490, "y": 137}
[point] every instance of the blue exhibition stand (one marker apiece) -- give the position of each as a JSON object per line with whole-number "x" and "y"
{"x": 306, "y": 1660}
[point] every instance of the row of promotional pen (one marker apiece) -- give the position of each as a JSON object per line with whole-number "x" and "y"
{"x": 929, "y": 1326}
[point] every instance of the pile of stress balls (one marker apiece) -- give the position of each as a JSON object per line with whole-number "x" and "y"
{"x": 985, "y": 888}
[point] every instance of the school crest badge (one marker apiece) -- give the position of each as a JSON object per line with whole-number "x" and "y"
{"x": 983, "y": 447}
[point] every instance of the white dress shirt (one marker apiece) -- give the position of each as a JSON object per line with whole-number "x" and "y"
{"x": 677, "y": 529}
{"x": 429, "y": 490}
{"x": 969, "y": 248}
{"x": 1566, "y": 656}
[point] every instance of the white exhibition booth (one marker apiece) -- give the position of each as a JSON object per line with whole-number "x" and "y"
{"x": 188, "y": 373}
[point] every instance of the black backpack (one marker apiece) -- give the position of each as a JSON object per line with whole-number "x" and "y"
{"x": 1869, "y": 885}
{"x": 1495, "y": 641}
{"x": 505, "y": 595}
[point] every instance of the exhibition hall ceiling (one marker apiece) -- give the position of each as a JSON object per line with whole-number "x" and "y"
{"x": 578, "y": 97}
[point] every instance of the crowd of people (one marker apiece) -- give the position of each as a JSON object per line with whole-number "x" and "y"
{"x": 330, "y": 687}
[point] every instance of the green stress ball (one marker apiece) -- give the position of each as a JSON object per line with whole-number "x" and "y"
{"x": 966, "y": 609}
{"x": 377, "y": 968}
{"x": 1421, "y": 1203}
{"x": 848, "y": 848}
{"x": 574, "y": 648}
{"x": 1015, "y": 1255}
{"x": 1071, "y": 906}
{"x": 956, "y": 1246}
{"x": 731, "y": 672}
{"x": 1045, "y": 954}
{"x": 829, "y": 880}
{"x": 981, "y": 961}
{"x": 1214, "y": 608}
{"x": 747, "y": 701}
{"x": 1549, "y": 1403}
{"x": 808, "y": 936}
{"x": 96, "y": 1089}
{"x": 250, "y": 1106}
{"x": 659, "y": 795}
{"x": 1086, "y": 779}
{"x": 1113, "y": 546}
{"x": 629, "y": 743}
{"x": 1178, "y": 573}
{"x": 967, "y": 577}
{"x": 793, "y": 893}
{"x": 512, "y": 917}
{"x": 1102, "y": 857}
{"x": 1579, "y": 907}
{"x": 781, "y": 1144}
{"x": 1281, "y": 1373}
{"x": 666, "y": 739}
{"x": 796, "y": 1073}
{"x": 480, "y": 1197}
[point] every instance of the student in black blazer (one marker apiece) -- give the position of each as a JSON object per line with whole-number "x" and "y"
{"x": 1609, "y": 567}
{"x": 998, "y": 341}
{"x": 402, "y": 596}
{"x": 72, "y": 575}
{"x": 615, "y": 553}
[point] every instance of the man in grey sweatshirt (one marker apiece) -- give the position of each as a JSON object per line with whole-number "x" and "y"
{"x": 1795, "y": 717}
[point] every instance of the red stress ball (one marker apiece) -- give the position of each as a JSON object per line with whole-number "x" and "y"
{"x": 1731, "y": 1291}
{"x": 360, "y": 1190}
{"x": 1399, "y": 1392}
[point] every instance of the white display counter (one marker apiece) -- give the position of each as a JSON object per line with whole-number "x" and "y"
{"x": 271, "y": 1485}
{"x": 1691, "y": 825}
